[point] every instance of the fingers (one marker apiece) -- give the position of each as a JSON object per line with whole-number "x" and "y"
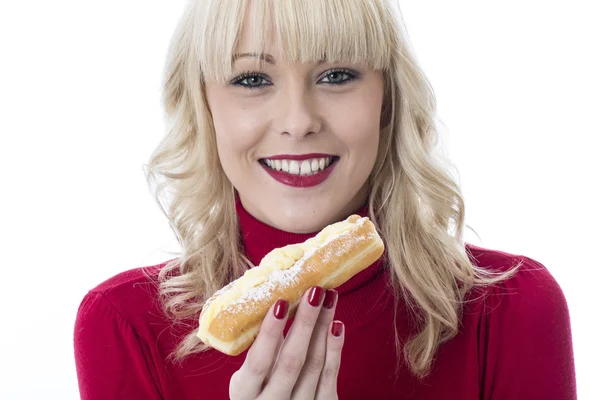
{"x": 261, "y": 354}
{"x": 293, "y": 353}
{"x": 306, "y": 364}
{"x": 327, "y": 388}
{"x": 308, "y": 380}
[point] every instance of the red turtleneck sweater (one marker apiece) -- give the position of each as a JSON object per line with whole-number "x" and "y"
{"x": 513, "y": 343}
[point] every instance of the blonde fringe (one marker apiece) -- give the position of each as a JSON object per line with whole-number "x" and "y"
{"x": 414, "y": 202}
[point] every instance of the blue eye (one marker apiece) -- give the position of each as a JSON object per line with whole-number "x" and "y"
{"x": 251, "y": 80}
{"x": 339, "y": 76}
{"x": 256, "y": 80}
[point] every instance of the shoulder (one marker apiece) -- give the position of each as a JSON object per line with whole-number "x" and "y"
{"x": 117, "y": 337}
{"x": 531, "y": 294}
{"x": 524, "y": 331}
{"x": 123, "y": 281}
{"x": 130, "y": 296}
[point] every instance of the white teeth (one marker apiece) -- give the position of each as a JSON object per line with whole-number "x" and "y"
{"x": 314, "y": 165}
{"x": 294, "y": 167}
{"x": 304, "y": 167}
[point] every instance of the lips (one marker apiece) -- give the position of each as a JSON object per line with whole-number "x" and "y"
{"x": 300, "y": 171}
{"x": 305, "y": 167}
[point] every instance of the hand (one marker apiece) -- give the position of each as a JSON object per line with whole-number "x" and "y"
{"x": 303, "y": 366}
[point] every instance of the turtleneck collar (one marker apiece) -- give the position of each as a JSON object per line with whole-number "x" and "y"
{"x": 260, "y": 238}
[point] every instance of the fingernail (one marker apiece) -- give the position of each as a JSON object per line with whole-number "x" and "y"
{"x": 316, "y": 295}
{"x": 330, "y": 298}
{"x": 337, "y": 328}
{"x": 281, "y": 309}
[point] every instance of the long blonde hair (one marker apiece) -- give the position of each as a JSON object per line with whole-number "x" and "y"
{"x": 414, "y": 201}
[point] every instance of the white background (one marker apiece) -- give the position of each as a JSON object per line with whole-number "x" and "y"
{"x": 517, "y": 84}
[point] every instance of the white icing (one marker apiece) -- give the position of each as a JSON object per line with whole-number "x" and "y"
{"x": 287, "y": 277}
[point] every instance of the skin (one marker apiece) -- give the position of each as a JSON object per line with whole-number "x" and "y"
{"x": 295, "y": 108}
{"x": 304, "y": 365}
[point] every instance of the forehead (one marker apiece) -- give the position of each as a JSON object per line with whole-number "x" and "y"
{"x": 355, "y": 31}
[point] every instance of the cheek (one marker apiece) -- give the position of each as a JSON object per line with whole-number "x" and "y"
{"x": 359, "y": 129}
{"x": 237, "y": 128}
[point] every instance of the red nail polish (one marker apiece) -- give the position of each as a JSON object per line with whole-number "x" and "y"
{"x": 330, "y": 298}
{"x": 337, "y": 328}
{"x": 316, "y": 296}
{"x": 281, "y": 309}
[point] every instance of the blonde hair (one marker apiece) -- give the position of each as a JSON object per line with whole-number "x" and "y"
{"x": 413, "y": 200}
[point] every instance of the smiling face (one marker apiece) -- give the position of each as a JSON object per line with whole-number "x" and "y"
{"x": 297, "y": 140}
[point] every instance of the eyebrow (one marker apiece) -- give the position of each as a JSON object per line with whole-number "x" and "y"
{"x": 265, "y": 57}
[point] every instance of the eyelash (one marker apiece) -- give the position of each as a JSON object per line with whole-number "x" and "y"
{"x": 237, "y": 81}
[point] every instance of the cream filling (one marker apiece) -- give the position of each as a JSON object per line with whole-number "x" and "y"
{"x": 278, "y": 259}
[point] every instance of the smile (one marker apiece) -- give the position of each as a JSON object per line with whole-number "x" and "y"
{"x": 300, "y": 173}
{"x": 299, "y": 167}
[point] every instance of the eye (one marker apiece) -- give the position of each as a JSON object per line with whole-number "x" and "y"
{"x": 251, "y": 80}
{"x": 339, "y": 76}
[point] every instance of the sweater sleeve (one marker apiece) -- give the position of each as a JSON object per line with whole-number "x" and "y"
{"x": 112, "y": 361}
{"x": 526, "y": 337}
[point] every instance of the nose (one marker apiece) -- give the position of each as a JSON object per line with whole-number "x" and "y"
{"x": 297, "y": 114}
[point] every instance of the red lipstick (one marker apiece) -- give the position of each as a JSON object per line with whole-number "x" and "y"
{"x": 300, "y": 180}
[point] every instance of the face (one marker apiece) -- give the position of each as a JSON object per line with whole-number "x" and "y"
{"x": 298, "y": 141}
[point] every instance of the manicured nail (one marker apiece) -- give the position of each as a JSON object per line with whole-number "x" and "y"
{"x": 281, "y": 309}
{"x": 337, "y": 328}
{"x": 330, "y": 298}
{"x": 316, "y": 296}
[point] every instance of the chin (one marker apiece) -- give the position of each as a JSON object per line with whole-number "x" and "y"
{"x": 298, "y": 221}
{"x": 302, "y": 227}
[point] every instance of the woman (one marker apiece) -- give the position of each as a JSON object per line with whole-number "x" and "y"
{"x": 286, "y": 117}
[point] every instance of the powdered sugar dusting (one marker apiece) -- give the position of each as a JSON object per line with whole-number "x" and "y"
{"x": 288, "y": 277}
{"x": 279, "y": 278}
{"x": 218, "y": 293}
{"x": 347, "y": 246}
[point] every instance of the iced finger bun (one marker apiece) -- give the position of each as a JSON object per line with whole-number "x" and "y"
{"x": 231, "y": 318}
